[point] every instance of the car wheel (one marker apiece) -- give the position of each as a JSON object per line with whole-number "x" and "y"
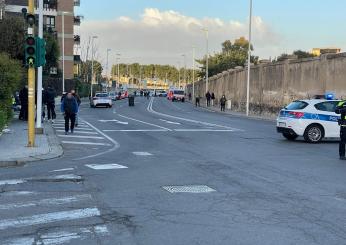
{"x": 314, "y": 133}
{"x": 110, "y": 106}
{"x": 289, "y": 136}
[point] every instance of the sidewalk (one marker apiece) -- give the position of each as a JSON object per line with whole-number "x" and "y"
{"x": 14, "y": 150}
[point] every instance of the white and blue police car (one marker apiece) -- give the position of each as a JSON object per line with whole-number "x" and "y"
{"x": 313, "y": 119}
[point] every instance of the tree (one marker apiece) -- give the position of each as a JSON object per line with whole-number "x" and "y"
{"x": 232, "y": 55}
{"x": 86, "y": 70}
{"x": 302, "y": 54}
{"x": 52, "y": 52}
{"x": 12, "y": 37}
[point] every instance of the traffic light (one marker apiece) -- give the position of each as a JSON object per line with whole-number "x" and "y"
{"x": 40, "y": 52}
{"x": 30, "y": 51}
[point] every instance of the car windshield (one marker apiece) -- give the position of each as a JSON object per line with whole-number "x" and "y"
{"x": 296, "y": 105}
{"x": 101, "y": 95}
{"x": 179, "y": 92}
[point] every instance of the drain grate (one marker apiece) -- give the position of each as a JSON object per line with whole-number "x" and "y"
{"x": 188, "y": 189}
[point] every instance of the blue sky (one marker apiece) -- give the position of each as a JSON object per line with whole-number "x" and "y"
{"x": 300, "y": 24}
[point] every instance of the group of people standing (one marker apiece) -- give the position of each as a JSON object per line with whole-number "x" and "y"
{"x": 210, "y": 98}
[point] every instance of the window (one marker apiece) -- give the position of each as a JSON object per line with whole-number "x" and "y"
{"x": 329, "y": 106}
{"x": 179, "y": 92}
{"x": 50, "y": 21}
{"x": 296, "y": 105}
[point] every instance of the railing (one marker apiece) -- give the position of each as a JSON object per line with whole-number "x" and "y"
{"x": 76, "y": 39}
{"x": 76, "y": 3}
{"x": 77, "y": 20}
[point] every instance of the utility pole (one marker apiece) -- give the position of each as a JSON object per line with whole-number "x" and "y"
{"x": 108, "y": 50}
{"x": 184, "y": 55}
{"x": 39, "y": 128}
{"x": 92, "y": 66}
{"x": 207, "y": 60}
{"x": 179, "y": 74}
{"x": 193, "y": 72}
{"x": 31, "y": 80}
{"x": 249, "y": 64}
{"x": 118, "y": 61}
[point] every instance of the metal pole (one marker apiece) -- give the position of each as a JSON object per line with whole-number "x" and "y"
{"x": 179, "y": 73}
{"x": 108, "y": 50}
{"x": 184, "y": 69}
{"x": 92, "y": 68}
{"x": 193, "y": 72}
{"x": 63, "y": 51}
{"x": 249, "y": 64}
{"x": 31, "y": 89}
{"x": 39, "y": 71}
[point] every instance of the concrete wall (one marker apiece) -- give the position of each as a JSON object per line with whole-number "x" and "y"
{"x": 276, "y": 84}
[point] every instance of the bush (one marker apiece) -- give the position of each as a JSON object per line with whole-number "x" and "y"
{"x": 10, "y": 76}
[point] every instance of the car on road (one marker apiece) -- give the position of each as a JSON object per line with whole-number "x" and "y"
{"x": 161, "y": 93}
{"x": 313, "y": 119}
{"x": 176, "y": 95}
{"x": 101, "y": 99}
{"x": 113, "y": 95}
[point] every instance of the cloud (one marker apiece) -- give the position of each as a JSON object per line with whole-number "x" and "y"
{"x": 163, "y": 36}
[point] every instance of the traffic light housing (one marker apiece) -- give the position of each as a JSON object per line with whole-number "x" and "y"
{"x": 30, "y": 51}
{"x": 40, "y": 52}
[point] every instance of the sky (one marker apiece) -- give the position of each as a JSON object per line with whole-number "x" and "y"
{"x": 161, "y": 31}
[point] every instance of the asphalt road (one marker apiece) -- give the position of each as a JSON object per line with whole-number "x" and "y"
{"x": 169, "y": 173}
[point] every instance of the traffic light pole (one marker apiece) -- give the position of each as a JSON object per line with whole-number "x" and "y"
{"x": 31, "y": 89}
{"x": 39, "y": 129}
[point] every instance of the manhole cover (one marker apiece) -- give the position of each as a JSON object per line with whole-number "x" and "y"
{"x": 188, "y": 189}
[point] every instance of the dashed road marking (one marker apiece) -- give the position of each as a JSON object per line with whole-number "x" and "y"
{"x": 203, "y": 130}
{"x": 84, "y": 143}
{"x": 150, "y": 124}
{"x": 81, "y": 137}
{"x": 79, "y": 132}
{"x": 170, "y": 122}
{"x": 114, "y": 120}
{"x": 188, "y": 189}
{"x": 105, "y": 166}
{"x": 135, "y": 130}
{"x": 142, "y": 153}
{"x": 63, "y": 170}
{"x": 87, "y": 129}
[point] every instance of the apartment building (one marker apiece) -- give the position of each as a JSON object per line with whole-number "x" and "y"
{"x": 56, "y": 14}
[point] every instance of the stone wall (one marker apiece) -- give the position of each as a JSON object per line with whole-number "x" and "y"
{"x": 274, "y": 85}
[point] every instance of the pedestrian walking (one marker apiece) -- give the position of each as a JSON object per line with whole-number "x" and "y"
{"x": 76, "y": 96}
{"x": 223, "y": 101}
{"x": 197, "y": 101}
{"x": 190, "y": 96}
{"x": 341, "y": 109}
{"x": 23, "y": 97}
{"x": 50, "y": 98}
{"x": 208, "y": 97}
{"x": 212, "y": 98}
{"x": 69, "y": 108}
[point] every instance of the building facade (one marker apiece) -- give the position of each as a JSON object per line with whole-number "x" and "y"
{"x": 320, "y": 51}
{"x": 57, "y": 12}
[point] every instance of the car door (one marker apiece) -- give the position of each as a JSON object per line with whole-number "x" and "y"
{"x": 328, "y": 117}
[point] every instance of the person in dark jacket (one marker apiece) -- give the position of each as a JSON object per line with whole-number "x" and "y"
{"x": 76, "y": 96}
{"x": 50, "y": 95}
{"x": 223, "y": 101}
{"x": 212, "y": 98}
{"x": 208, "y": 97}
{"x": 69, "y": 107}
{"x": 341, "y": 109}
{"x": 23, "y": 97}
{"x": 197, "y": 101}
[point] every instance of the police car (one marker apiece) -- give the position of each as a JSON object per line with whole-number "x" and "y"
{"x": 313, "y": 119}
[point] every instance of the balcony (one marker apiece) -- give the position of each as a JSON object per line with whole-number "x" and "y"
{"x": 77, "y": 59}
{"x": 77, "y": 20}
{"x": 76, "y": 39}
{"x": 49, "y": 4}
{"x": 76, "y": 3}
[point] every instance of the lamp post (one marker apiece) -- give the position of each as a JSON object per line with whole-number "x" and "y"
{"x": 184, "y": 55}
{"x": 179, "y": 74}
{"x": 207, "y": 59}
{"x": 63, "y": 50}
{"x": 193, "y": 71}
{"x": 92, "y": 66}
{"x": 249, "y": 64}
{"x": 118, "y": 61}
{"x": 108, "y": 50}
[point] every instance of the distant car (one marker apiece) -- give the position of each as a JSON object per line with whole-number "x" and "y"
{"x": 161, "y": 93}
{"x": 176, "y": 95}
{"x": 101, "y": 99}
{"x": 113, "y": 95}
{"x": 312, "y": 119}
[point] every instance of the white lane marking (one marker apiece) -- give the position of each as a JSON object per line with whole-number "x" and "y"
{"x": 136, "y": 120}
{"x": 63, "y": 170}
{"x": 116, "y": 145}
{"x": 79, "y": 132}
{"x": 83, "y": 143}
{"x": 204, "y": 130}
{"x": 18, "y": 193}
{"x": 105, "y": 166}
{"x": 61, "y": 177}
{"x": 135, "y": 130}
{"x": 142, "y": 153}
{"x": 150, "y": 109}
{"x": 114, "y": 120}
{"x": 63, "y": 124}
{"x": 87, "y": 129}
{"x": 81, "y": 137}
{"x": 12, "y": 182}
{"x": 20, "y": 241}
{"x": 49, "y": 218}
{"x": 170, "y": 122}
{"x": 50, "y": 202}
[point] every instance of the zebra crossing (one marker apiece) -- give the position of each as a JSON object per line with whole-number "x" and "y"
{"x": 83, "y": 135}
{"x": 48, "y": 217}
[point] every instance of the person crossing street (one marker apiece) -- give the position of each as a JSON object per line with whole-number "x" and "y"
{"x": 341, "y": 109}
{"x": 69, "y": 107}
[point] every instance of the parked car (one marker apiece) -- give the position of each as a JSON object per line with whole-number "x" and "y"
{"x": 101, "y": 99}
{"x": 313, "y": 119}
{"x": 161, "y": 93}
{"x": 113, "y": 95}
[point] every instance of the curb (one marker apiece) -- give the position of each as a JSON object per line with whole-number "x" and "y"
{"x": 55, "y": 151}
{"x": 234, "y": 114}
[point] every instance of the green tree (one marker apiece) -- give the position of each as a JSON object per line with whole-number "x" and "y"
{"x": 52, "y": 52}
{"x": 86, "y": 71}
{"x": 303, "y": 54}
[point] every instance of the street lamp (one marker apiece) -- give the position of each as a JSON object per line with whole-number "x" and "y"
{"x": 108, "y": 50}
{"x": 207, "y": 59}
{"x": 118, "y": 61}
{"x": 184, "y": 55}
{"x": 63, "y": 49}
{"x": 179, "y": 74}
{"x": 92, "y": 65}
{"x": 249, "y": 64}
{"x": 193, "y": 71}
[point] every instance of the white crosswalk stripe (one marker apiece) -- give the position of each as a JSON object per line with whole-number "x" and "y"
{"x": 81, "y": 137}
